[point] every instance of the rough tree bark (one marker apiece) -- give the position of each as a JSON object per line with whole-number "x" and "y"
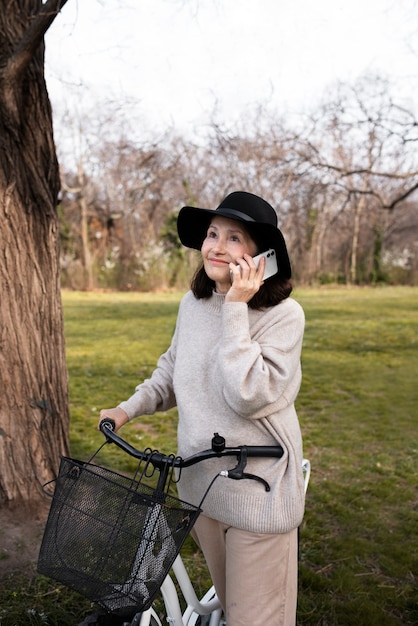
{"x": 34, "y": 415}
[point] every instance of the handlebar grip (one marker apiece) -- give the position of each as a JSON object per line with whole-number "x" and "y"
{"x": 107, "y": 421}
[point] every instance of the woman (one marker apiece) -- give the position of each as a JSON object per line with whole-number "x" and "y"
{"x": 233, "y": 367}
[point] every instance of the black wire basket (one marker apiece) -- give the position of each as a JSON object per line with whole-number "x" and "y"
{"x": 110, "y": 537}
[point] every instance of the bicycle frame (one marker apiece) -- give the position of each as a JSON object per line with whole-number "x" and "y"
{"x": 208, "y": 605}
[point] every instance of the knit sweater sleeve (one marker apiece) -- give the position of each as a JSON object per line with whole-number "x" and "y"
{"x": 260, "y": 358}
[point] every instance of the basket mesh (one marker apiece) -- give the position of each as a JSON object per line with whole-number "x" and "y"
{"x": 110, "y": 537}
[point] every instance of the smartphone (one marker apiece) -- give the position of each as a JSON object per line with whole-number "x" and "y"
{"x": 271, "y": 263}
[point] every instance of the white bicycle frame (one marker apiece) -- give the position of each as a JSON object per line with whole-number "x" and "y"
{"x": 208, "y": 605}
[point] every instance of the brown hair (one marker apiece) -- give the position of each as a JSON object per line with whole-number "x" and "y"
{"x": 274, "y": 290}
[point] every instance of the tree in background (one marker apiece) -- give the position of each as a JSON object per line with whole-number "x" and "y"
{"x": 34, "y": 398}
{"x": 342, "y": 183}
{"x": 362, "y": 148}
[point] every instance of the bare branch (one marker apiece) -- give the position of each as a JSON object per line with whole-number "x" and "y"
{"x": 370, "y": 172}
{"x": 31, "y": 40}
{"x": 400, "y": 198}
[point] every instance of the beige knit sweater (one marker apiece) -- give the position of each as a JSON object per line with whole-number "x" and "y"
{"x": 235, "y": 371}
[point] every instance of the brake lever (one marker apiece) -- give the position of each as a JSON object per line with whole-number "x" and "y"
{"x": 237, "y": 473}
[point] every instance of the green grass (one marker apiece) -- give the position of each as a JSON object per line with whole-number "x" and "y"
{"x": 358, "y": 413}
{"x": 113, "y": 343}
{"x": 358, "y": 409}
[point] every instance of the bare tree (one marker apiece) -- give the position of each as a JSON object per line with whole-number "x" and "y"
{"x": 337, "y": 181}
{"x": 34, "y": 400}
{"x": 363, "y": 146}
{"x": 80, "y": 191}
{"x": 117, "y": 193}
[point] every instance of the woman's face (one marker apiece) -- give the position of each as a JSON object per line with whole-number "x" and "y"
{"x": 226, "y": 240}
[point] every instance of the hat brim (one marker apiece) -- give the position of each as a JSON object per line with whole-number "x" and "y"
{"x": 193, "y": 223}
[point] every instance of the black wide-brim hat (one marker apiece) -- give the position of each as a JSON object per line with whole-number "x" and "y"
{"x": 258, "y": 216}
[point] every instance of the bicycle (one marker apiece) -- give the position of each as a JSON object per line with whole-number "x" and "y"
{"x": 96, "y": 513}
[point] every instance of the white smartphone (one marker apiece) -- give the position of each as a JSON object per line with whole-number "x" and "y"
{"x": 271, "y": 263}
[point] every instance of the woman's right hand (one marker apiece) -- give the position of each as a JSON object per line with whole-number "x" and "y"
{"x": 117, "y": 414}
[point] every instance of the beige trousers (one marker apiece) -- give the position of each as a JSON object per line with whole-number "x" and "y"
{"x": 255, "y": 575}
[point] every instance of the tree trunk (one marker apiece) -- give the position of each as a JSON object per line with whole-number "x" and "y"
{"x": 34, "y": 419}
{"x": 354, "y": 240}
{"x": 88, "y": 279}
{"x": 358, "y": 213}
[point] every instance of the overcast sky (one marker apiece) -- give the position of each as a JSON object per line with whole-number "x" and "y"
{"x": 180, "y": 58}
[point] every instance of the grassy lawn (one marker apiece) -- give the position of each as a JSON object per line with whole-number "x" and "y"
{"x": 358, "y": 412}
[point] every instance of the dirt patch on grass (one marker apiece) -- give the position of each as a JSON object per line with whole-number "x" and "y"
{"x": 21, "y": 531}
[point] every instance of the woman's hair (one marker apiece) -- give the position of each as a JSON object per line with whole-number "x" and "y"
{"x": 273, "y": 291}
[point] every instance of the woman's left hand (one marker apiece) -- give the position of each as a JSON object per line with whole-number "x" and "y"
{"x": 246, "y": 279}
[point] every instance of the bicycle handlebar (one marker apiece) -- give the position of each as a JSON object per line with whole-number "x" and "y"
{"x": 163, "y": 462}
{"x": 218, "y": 449}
